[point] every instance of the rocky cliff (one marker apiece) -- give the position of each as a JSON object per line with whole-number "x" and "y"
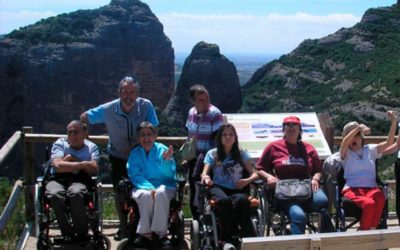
{"x": 205, "y": 65}
{"x": 353, "y": 74}
{"x": 53, "y": 70}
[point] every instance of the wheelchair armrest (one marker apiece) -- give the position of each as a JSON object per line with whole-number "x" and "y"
{"x": 382, "y": 183}
{"x": 125, "y": 185}
{"x": 258, "y": 182}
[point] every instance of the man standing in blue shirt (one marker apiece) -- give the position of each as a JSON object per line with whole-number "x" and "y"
{"x": 121, "y": 117}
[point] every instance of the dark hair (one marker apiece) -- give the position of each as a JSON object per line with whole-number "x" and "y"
{"x": 78, "y": 123}
{"x": 144, "y": 125}
{"x": 235, "y": 151}
{"x": 197, "y": 89}
{"x": 128, "y": 79}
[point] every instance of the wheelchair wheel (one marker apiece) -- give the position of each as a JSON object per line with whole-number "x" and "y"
{"x": 38, "y": 210}
{"x": 195, "y": 235}
{"x": 178, "y": 229}
{"x": 101, "y": 242}
{"x": 44, "y": 242}
{"x": 125, "y": 244}
{"x": 181, "y": 227}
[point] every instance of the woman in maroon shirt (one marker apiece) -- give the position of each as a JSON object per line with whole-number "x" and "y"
{"x": 291, "y": 158}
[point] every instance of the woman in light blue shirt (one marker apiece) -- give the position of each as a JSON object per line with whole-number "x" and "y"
{"x": 232, "y": 172}
{"x": 151, "y": 169}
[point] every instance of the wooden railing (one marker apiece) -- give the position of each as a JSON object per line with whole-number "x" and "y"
{"x": 373, "y": 239}
{"x": 15, "y": 194}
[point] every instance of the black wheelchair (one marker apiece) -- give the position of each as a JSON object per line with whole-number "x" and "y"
{"x": 204, "y": 232}
{"x": 347, "y": 213}
{"x": 176, "y": 227}
{"x": 45, "y": 219}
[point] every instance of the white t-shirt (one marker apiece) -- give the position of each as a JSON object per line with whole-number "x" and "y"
{"x": 359, "y": 167}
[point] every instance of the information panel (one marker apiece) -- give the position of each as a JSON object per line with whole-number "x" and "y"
{"x": 255, "y": 131}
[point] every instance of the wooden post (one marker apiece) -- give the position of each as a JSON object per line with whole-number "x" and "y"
{"x": 29, "y": 178}
{"x": 329, "y": 132}
{"x": 325, "y": 120}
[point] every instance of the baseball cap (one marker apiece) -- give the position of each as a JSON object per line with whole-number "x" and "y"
{"x": 292, "y": 119}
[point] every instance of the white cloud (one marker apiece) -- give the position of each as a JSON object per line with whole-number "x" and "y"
{"x": 15, "y": 20}
{"x": 271, "y": 34}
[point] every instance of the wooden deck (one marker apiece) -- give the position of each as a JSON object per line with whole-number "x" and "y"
{"x": 110, "y": 228}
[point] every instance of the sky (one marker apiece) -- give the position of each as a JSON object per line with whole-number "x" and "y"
{"x": 272, "y": 27}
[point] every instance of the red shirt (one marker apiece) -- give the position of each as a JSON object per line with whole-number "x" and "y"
{"x": 287, "y": 162}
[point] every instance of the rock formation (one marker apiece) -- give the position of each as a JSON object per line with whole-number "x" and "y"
{"x": 205, "y": 65}
{"x": 352, "y": 74}
{"x": 53, "y": 70}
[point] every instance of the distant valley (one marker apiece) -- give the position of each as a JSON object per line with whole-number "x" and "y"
{"x": 246, "y": 64}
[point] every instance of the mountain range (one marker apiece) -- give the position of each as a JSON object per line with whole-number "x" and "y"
{"x": 353, "y": 74}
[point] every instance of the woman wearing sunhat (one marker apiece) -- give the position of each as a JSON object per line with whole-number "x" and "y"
{"x": 358, "y": 160}
{"x": 291, "y": 158}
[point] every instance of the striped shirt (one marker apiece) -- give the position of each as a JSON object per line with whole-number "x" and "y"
{"x": 202, "y": 126}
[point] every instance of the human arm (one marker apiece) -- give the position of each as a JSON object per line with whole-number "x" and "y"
{"x": 264, "y": 167}
{"x": 394, "y": 147}
{"x": 316, "y": 174}
{"x": 205, "y": 178}
{"x": 69, "y": 164}
{"x": 166, "y": 160}
{"x": 344, "y": 145}
{"x": 84, "y": 117}
{"x": 248, "y": 166}
{"x": 97, "y": 115}
{"x": 151, "y": 115}
{"x": 66, "y": 160}
{"x": 269, "y": 178}
{"x": 390, "y": 138}
{"x": 135, "y": 171}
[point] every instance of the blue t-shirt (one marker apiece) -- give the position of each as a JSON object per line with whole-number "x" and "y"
{"x": 61, "y": 148}
{"x": 228, "y": 172}
{"x": 121, "y": 127}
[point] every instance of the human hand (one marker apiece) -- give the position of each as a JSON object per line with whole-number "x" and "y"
{"x": 206, "y": 180}
{"x": 392, "y": 115}
{"x": 69, "y": 158}
{"x": 240, "y": 184}
{"x": 363, "y": 128}
{"x": 272, "y": 180}
{"x": 168, "y": 153}
{"x": 314, "y": 185}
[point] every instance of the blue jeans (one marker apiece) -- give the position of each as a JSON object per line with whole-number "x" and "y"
{"x": 296, "y": 211}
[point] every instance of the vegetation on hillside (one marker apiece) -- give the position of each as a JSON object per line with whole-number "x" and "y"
{"x": 10, "y": 236}
{"x": 64, "y": 28}
{"x": 333, "y": 74}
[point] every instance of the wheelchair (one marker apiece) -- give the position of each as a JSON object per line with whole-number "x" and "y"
{"x": 347, "y": 213}
{"x": 44, "y": 218}
{"x": 176, "y": 227}
{"x": 204, "y": 231}
{"x": 276, "y": 221}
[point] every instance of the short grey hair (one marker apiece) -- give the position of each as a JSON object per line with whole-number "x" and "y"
{"x": 79, "y": 124}
{"x": 130, "y": 80}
